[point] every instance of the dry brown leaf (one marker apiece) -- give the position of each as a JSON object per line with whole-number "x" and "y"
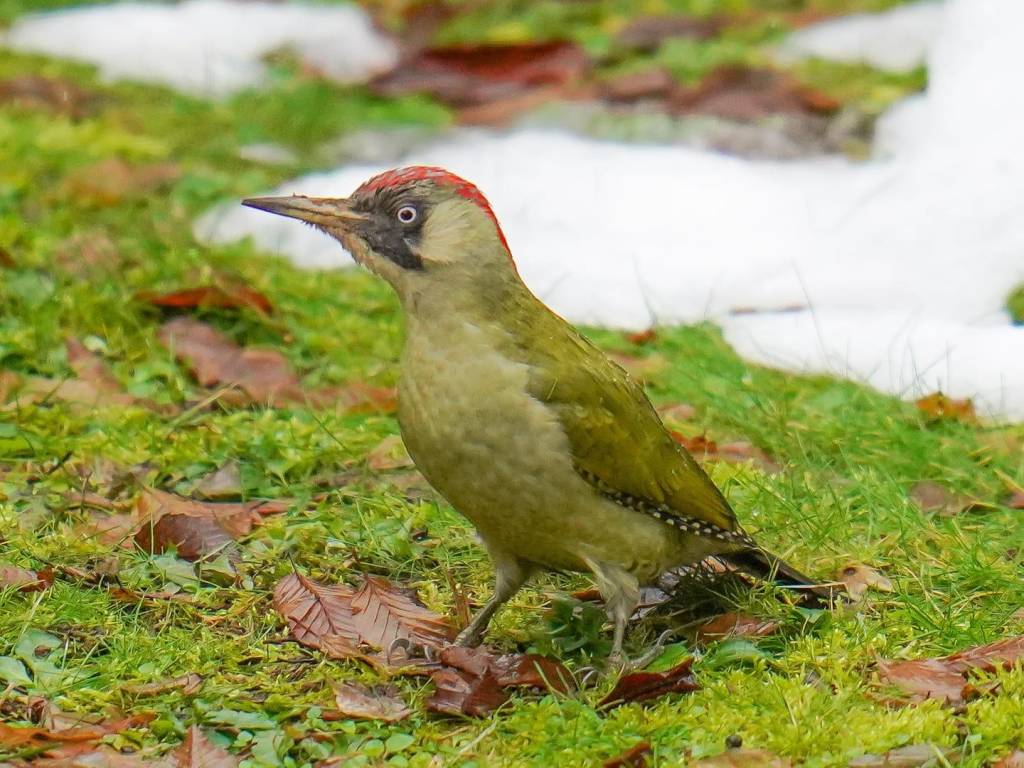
{"x": 222, "y": 296}
{"x": 263, "y": 374}
{"x": 24, "y": 580}
{"x": 54, "y": 94}
{"x": 470, "y": 75}
{"x": 356, "y": 397}
{"x": 930, "y": 496}
{"x": 112, "y": 181}
{"x": 859, "y": 578}
{"x": 88, "y": 254}
{"x": 359, "y": 701}
{"x": 188, "y": 685}
{"x": 20, "y": 737}
{"x": 938, "y": 406}
{"x": 1013, "y": 760}
{"x": 910, "y": 756}
{"x": 677, "y": 412}
{"x": 735, "y": 625}
{"x": 705, "y": 449}
{"x": 647, "y": 33}
{"x": 744, "y": 758}
{"x": 89, "y": 367}
{"x": 380, "y": 622}
{"x": 1016, "y": 499}
{"x": 745, "y": 93}
{"x": 389, "y": 453}
{"x": 641, "y": 686}
{"x": 640, "y": 368}
{"x": 197, "y": 751}
{"x": 510, "y": 670}
{"x": 225, "y": 482}
{"x": 946, "y": 677}
{"x": 196, "y": 528}
{"x": 634, "y": 757}
{"x": 461, "y": 693}
{"x": 111, "y": 530}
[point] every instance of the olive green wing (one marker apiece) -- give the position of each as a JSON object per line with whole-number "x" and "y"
{"x": 618, "y": 442}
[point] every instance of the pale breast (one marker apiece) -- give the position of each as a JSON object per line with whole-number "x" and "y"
{"x": 503, "y": 460}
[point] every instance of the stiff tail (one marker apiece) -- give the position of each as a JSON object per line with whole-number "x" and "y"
{"x": 766, "y": 566}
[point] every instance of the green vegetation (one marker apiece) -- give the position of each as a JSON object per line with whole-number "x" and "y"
{"x": 850, "y": 456}
{"x": 1015, "y": 304}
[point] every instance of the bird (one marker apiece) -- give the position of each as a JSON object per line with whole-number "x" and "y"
{"x": 551, "y": 450}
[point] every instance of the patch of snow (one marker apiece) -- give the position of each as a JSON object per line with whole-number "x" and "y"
{"x": 901, "y": 265}
{"x": 897, "y": 40}
{"x": 206, "y": 47}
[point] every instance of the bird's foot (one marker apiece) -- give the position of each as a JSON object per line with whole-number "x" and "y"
{"x": 623, "y": 665}
{"x": 470, "y": 637}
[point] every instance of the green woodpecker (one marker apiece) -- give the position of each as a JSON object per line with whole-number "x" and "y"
{"x": 549, "y": 448}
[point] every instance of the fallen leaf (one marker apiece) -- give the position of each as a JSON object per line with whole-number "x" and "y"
{"x": 197, "y": 751}
{"x": 735, "y": 625}
{"x": 6, "y": 260}
{"x": 746, "y": 93}
{"x": 510, "y": 670}
{"x": 90, "y": 368}
{"x": 111, "y": 530}
{"x": 924, "y": 679}
{"x": 946, "y": 677}
{"x": 380, "y": 622}
{"x": 263, "y": 374}
{"x": 359, "y": 701}
{"x": 744, "y": 758}
{"x": 356, "y": 397}
{"x": 704, "y": 448}
{"x": 929, "y": 496}
{"x": 642, "y": 337}
{"x": 470, "y": 75}
{"x": 634, "y": 757}
{"x": 1016, "y": 500}
{"x": 38, "y": 389}
{"x": 88, "y": 254}
{"x": 938, "y": 406}
{"x": 196, "y": 528}
{"x": 223, "y": 483}
{"x": 910, "y": 756}
{"x": 389, "y": 453}
{"x": 460, "y": 693}
{"x": 640, "y": 368}
{"x": 24, "y": 580}
{"x": 54, "y": 94}
{"x": 20, "y": 737}
{"x": 1013, "y": 760}
{"x": 677, "y": 412}
{"x": 641, "y": 686}
{"x": 187, "y": 684}
{"x": 227, "y": 296}
{"x": 859, "y": 578}
{"x": 647, "y": 33}
{"x": 111, "y": 181}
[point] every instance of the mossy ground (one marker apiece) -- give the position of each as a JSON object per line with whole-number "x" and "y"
{"x": 849, "y": 454}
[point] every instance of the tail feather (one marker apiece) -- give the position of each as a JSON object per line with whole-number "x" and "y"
{"x": 766, "y": 566}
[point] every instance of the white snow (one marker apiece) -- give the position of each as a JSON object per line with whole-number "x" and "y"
{"x": 897, "y": 40}
{"x": 206, "y": 47}
{"x": 901, "y": 264}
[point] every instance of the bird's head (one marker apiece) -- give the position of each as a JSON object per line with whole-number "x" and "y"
{"x": 411, "y": 226}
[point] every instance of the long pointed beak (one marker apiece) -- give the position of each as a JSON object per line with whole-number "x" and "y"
{"x": 322, "y": 211}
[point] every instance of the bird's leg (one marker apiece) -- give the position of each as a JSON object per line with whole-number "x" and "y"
{"x": 621, "y": 592}
{"x": 510, "y": 575}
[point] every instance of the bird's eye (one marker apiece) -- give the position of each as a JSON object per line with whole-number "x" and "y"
{"x": 407, "y": 214}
